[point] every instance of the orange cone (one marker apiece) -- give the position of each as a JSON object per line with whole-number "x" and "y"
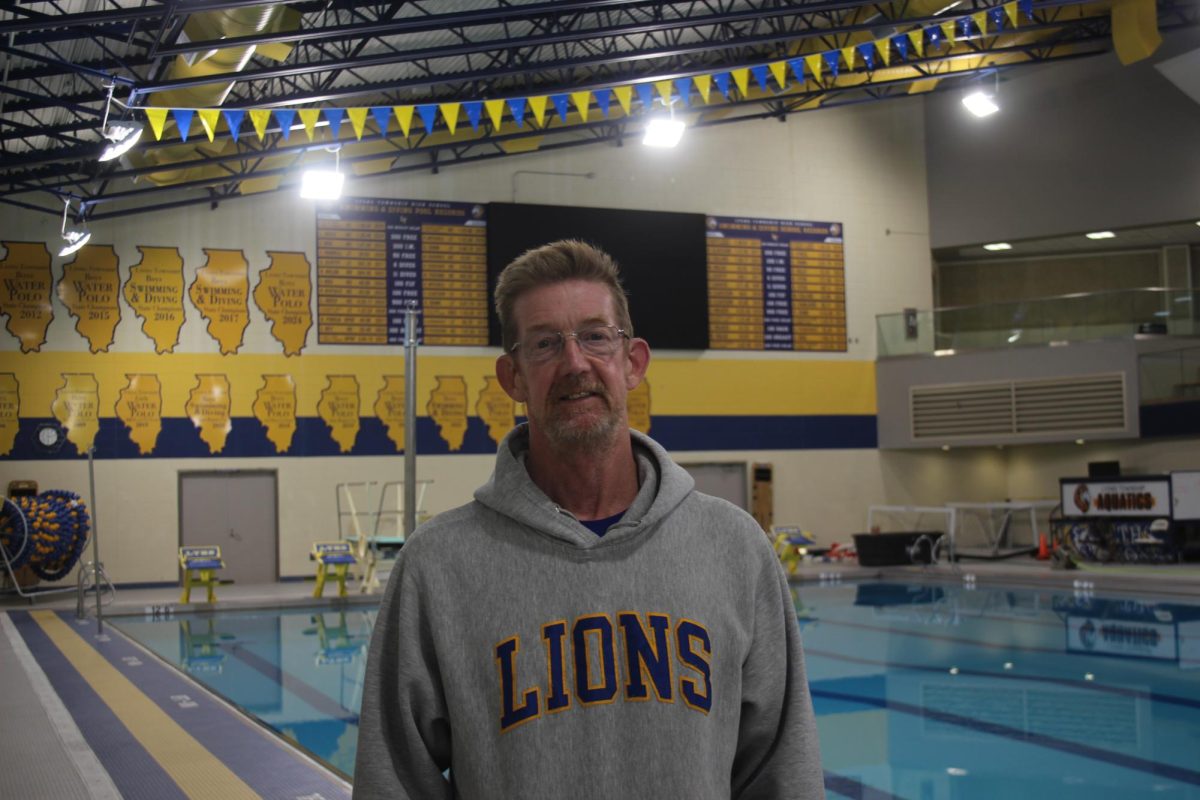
{"x": 1043, "y": 553}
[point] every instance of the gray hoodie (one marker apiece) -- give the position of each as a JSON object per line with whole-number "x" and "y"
{"x": 533, "y": 659}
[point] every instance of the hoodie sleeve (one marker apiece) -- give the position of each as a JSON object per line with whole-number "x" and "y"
{"x": 777, "y": 753}
{"x": 403, "y": 728}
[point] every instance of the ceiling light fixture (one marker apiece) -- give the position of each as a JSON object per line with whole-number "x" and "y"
{"x": 997, "y": 246}
{"x": 74, "y": 237}
{"x": 122, "y": 135}
{"x": 1101, "y": 235}
{"x": 323, "y": 184}
{"x": 980, "y": 104}
{"x": 663, "y": 132}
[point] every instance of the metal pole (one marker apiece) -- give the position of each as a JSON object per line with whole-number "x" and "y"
{"x": 96, "y": 569}
{"x": 410, "y": 418}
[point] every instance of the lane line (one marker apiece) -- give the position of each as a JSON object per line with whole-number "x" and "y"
{"x": 97, "y": 780}
{"x": 194, "y": 769}
{"x": 858, "y": 790}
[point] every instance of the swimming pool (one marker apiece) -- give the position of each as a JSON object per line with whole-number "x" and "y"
{"x": 922, "y": 692}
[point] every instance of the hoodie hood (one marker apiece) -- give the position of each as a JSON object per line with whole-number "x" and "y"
{"x": 662, "y": 485}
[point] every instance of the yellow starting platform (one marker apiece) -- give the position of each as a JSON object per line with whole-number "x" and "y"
{"x": 200, "y": 565}
{"x": 337, "y": 556}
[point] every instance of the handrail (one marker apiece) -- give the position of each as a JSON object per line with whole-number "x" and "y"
{"x": 1078, "y": 316}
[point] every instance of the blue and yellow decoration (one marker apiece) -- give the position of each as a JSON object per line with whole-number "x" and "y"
{"x": 539, "y": 110}
{"x": 47, "y": 532}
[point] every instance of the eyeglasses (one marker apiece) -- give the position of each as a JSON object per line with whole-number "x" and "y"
{"x": 599, "y": 341}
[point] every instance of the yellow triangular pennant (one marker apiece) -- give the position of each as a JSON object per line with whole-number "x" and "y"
{"x": 814, "y": 65}
{"x": 538, "y": 106}
{"x": 582, "y": 101}
{"x": 208, "y": 120}
{"x": 309, "y": 117}
{"x": 742, "y": 78}
{"x": 358, "y": 119}
{"x": 1010, "y": 10}
{"x": 404, "y": 115}
{"x": 664, "y": 91}
{"x": 917, "y": 38}
{"x": 703, "y": 85}
{"x": 884, "y": 46}
{"x": 948, "y": 31}
{"x": 624, "y": 97}
{"x": 848, "y": 56}
{"x": 779, "y": 70}
{"x": 259, "y": 117}
{"x": 157, "y": 117}
{"x": 980, "y": 20}
{"x": 450, "y": 114}
{"x": 495, "y": 110}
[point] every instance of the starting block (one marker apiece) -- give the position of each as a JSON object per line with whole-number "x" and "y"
{"x": 791, "y": 544}
{"x": 200, "y": 565}
{"x": 337, "y": 555}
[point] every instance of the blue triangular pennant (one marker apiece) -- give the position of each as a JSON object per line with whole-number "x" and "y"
{"x": 473, "y": 109}
{"x": 760, "y": 75}
{"x": 428, "y": 112}
{"x": 900, "y": 42}
{"x": 285, "y": 117}
{"x": 831, "y": 61}
{"x": 645, "y": 93}
{"x": 603, "y": 98}
{"x": 183, "y": 120}
{"x": 722, "y": 81}
{"x": 233, "y": 118}
{"x": 866, "y": 51}
{"x": 517, "y": 106}
{"x": 334, "y": 117}
{"x": 683, "y": 86}
{"x": 797, "y": 65}
{"x": 1026, "y": 8}
{"x": 382, "y": 115}
{"x": 964, "y": 27}
{"x": 561, "y": 105}
{"x": 997, "y": 15}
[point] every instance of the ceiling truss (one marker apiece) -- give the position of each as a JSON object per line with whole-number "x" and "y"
{"x": 60, "y": 61}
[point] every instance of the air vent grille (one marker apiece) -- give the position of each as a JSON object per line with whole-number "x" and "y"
{"x": 1065, "y": 407}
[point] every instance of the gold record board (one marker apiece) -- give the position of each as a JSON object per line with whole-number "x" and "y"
{"x": 376, "y": 256}
{"x": 776, "y": 285}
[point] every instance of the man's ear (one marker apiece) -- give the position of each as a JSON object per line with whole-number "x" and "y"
{"x": 638, "y": 361}
{"x": 510, "y": 379}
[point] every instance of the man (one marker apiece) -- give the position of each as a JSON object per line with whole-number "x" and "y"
{"x": 589, "y": 626}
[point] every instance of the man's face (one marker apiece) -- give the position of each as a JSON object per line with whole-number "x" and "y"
{"x": 573, "y": 400}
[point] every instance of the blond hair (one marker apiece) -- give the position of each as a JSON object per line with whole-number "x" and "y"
{"x": 565, "y": 260}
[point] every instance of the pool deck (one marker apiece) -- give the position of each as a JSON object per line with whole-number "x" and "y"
{"x": 90, "y": 714}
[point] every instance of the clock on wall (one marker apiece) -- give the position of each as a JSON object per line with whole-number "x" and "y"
{"x": 49, "y": 437}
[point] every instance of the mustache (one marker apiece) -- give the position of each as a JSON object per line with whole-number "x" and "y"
{"x": 573, "y": 385}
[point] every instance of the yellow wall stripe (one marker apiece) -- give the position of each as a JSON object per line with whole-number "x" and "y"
{"x": 761, "y": 387}
{"x": 198, "y": 772}
{"x": 709, "y": 386}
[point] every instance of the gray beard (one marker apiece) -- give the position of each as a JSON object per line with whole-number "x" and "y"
{"x": 569, "y": 435}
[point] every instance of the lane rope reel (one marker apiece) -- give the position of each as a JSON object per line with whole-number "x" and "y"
{"x": 47, "y": 532}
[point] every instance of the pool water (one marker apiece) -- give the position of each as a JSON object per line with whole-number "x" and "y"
{"x": 298, "y": 671}
{"x": 922, "y": 692}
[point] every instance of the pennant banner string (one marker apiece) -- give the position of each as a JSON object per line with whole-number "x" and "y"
{"x": 895, "y": 48}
